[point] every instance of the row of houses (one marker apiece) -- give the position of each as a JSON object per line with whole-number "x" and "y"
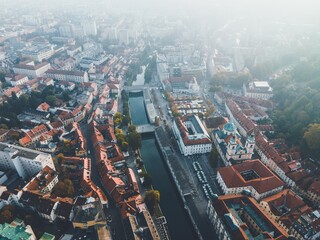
{"x": 288, "y": 169}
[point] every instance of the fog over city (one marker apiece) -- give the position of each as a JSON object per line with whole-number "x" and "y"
{"x": 158, "y": 120}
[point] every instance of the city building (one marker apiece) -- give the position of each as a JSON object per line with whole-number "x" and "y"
{"x": 24, "y": 161}
{"x": 90, "y": 27}
{"x": 258, "y": 89}
{"x": 286, "y": 207}
{"x": 38, "y": 52}
{"x": 44, "y": 182}
{"x": 16, "y": 230}
{"x": 33, "y": 135}
{"x": 66, "y": 30}
{"x": 88, "y": 214}
{"x": 31, "y": 69}
{"x": 250, "y": 175}
{"x": 191, "y": 135}
{"x": 162, "y": 68}
{"x": 240, "y": 217}
{"x": 184, "y": 84}
{"x": 141, "y": 225}
{"x": 17, "y": 80}
{"x": 231, "y": 146}
{"x": 64, "y": 75}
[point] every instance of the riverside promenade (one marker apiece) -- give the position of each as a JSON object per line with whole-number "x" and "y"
{"x": 182, "y": 183}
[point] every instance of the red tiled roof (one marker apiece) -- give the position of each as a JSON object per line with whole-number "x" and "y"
{"x": 267, "y": 180}
{"x": 44, "y": 106}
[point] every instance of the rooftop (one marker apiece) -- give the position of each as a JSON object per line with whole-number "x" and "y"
{"x": 233, "y": 209}
{"x": 10, "y": 232}
{"x": 250, "y": 173}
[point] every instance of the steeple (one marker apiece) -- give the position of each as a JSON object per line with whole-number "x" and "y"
{"x": 250, "y": 143}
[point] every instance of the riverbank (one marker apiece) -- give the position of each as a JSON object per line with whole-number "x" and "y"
{"x": 168, "y": 154}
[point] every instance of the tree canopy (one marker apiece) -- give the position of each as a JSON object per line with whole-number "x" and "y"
{"x": 63, "y": 188}
{"x": 152, "y": 199}
{"x": 312, "y": 136}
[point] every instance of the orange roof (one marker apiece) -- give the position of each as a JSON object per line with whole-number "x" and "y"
{"x": 266, "y": 180}
{"x": 25, "y": 140}
{"x": 44, "y": 106}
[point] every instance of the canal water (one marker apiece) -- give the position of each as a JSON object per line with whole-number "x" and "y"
{"x": 137, "y": 108}
{"x": 180, "y": 227}
{"x": 140, "y": 78}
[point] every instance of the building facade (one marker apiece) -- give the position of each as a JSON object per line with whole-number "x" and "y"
{"x": 24, "y": 161}
{"x": 69, "y": 76}
{"x": 191, "y": 135}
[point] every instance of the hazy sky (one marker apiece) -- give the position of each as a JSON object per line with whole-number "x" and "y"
{"x": 291, "y": 10}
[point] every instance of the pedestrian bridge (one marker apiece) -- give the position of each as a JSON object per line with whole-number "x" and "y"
{"x": 134, "y": 88}
{"x": 146, "y": 128}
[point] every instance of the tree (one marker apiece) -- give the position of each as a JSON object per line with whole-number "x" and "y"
{"x": 312, "y": 136}
{"x": 60, "y": 157}
{"x": 148, "y": 74}
{"x": 213, "y": 158}
{"x": 3, "y": 126}
{"x": 6, "y": 216}
{"x": 152, "y": 199}
{"x": 147, "y": 180}
{"x": 63, "y": 188}
{"x": 124, "y": 146}
{"x": 7, "y": 213}
{"x": 132, "y": 128}
{"x": 117, "y": 118}
{"x": 134, "y": 140}
{"x": 51, "y": 100}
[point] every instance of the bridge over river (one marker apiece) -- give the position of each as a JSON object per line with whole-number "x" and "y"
{"x": 134, "y": 88}
{"x": 146, "y": 128}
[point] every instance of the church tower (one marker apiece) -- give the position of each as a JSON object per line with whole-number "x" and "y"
{"x": 250, "y": 143}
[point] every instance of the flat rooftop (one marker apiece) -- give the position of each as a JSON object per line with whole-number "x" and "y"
{"x": 21, "y": 151}
{"x": 261, "y": 84}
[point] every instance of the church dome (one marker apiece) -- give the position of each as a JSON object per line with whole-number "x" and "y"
{"x": 229, "y": 127}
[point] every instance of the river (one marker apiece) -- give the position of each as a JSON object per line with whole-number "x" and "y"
{"x": 140, "y": 78}
{"x": 137, "y": 109}
{"x": 180, "y": 227}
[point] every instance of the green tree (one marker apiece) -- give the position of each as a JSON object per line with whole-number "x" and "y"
{"x": 147, "y": 180}
{"x": 117, "y": 118}
{"x": 63, "y": 188}
{"x": 148, "y": 75}
{"x": 6, "y": 216}
{"x": 3, "y": 126}
{"x": 124, "y": 146}
{"x": 51, "y": 100}
{"x": 152, "y": 199}
{"x": 134, "y": 140}
{"x": 60, "y": 158}
{"x": 312, "y": 136}
{"x": 213, "y": 158}
{"x": 132, "y": 128}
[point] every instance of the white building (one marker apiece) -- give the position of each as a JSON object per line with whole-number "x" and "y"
{"x": 250, "y": 175}
{"x": 38, "y": 53}
{"x": 24, "y": 161}
{"x": 66, "y": 30}
{"x": 258, "y": 89}
{"x": 184, "y": 84}
{"x": 69, "y": 76}
{"x": 18, "y": 80}
{"x": 231, "y": 145}
{"x": 90, "y": 28}
{"x": 32, "y": 70}
{"x": 191, "y": 135}
{"x": 162, "y": 68}
{"x": 44, "y": 182}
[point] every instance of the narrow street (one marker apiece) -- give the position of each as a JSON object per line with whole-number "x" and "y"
{"x": 116, "y": 226}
